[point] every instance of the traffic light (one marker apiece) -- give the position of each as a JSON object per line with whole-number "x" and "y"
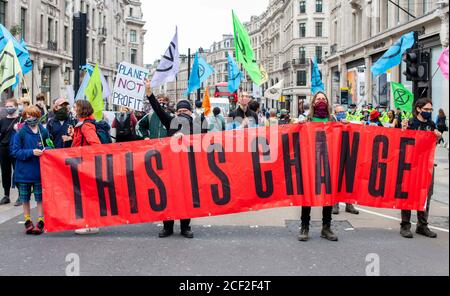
{"x": 417, "y": 65}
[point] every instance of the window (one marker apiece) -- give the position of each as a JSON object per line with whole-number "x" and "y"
{"x": 133, "y": 36}
{"x": 301, "y": 78}
{"x": 302, "y": 6}
{"x": 131, "y": 12}
{"x": 66, "y": 38}
{"x": 2, "y": 12}
{"x": 93, "y": 57}
{"x": 133, "y": 56}
{"x": 318, "y": 29}
{"x": 319, "y": 54}
{"x": 23, "y": 17}
{"x": 41, "y": 37}
{"x": 302, "y": 30}
{"x": 319, "y": 5}
{"x": 302, "y": 55}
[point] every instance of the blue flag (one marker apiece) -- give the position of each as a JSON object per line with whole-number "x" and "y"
{"x": 234, "y": 75}
{"x": 393, "y": 56}
{"x": 316, "y": 78}
{"x": 201, "y": 70}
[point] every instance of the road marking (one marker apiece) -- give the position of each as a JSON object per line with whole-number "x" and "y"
{"x": 397, "y": 219}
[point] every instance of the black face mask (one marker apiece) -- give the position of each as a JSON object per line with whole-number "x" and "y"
{"x": 62, "y": 114}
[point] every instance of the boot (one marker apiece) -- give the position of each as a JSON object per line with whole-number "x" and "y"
{"x": 304, "y": 233}
{"x": 187, "y": 233}
{"x": 351, "y": 209}
{"x": 328, "y": 234}
{"x": 165, "y": 233}
{"x": 425, "y": 231}
{"x": 336, "y": 209}
{"x": 405, "y": 231}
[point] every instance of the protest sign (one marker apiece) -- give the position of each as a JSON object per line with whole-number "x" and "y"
{"x": 129, "y": 89}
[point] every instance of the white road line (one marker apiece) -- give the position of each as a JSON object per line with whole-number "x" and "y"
{"x": 399, "y": 220}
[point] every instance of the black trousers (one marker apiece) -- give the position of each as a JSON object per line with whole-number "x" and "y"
{"x": 326, "y": 215}
{"x": 422, "y": 217}
{"x": 185, "y": 225}
{"x": 7, "y": 164}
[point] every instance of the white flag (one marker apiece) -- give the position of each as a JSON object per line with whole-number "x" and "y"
{"x": 274, "y": 93}
{"x": 169, "y": 66}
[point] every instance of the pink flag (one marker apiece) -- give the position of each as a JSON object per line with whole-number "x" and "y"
{"x": 443, "y": 63}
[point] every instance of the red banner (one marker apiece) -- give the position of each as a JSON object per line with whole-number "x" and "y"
{"x": 236, "y": 171}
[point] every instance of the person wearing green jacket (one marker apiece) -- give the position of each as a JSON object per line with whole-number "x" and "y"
{"x": 150, "y": 127}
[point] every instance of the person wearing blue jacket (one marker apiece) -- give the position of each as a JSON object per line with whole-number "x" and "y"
{"x": 28, "y": 146}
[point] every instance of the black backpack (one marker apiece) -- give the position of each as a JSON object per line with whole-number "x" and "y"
{"x": 124, "y": 129}
{"x": 102, "y": 129}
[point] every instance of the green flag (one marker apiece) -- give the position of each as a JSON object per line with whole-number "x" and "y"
{"x": 403, "y": 98}
{"x": 244, "y": 51}
{"x": 94, "y": 93}
{"x": 9, "y": 66}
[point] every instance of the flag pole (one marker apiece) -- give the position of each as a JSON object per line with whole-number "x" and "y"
{"x": 431, "y": 80}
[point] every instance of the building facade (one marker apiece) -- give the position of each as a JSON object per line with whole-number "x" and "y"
{"x": 115, "y": 34}
{"x": 362, "y": 31}
{"x": 285, "y": 38}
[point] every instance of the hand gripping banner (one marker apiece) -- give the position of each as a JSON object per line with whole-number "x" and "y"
{"x": 236, "y": 171}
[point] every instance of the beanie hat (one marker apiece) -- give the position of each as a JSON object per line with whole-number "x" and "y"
{"x": 184, "y": 105}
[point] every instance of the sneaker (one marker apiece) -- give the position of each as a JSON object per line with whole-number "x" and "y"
{"x": 165, "y": 233}
{"x": 39, "y": 228}
{"x": 18, "y": 203}
{"x": 187, "y": 233}
{"x": 29, "y": 227}
{"x": 304, "y": 234}
{"x": 336, "y": 209}
{"x": 351, "y": 209}
{"x": 5, "y": 201}
{"x": 405, "y": 231}
{"x": 87, "y": 231}
{"x": 425, "y": 231}
{"x": 328, "y": 234}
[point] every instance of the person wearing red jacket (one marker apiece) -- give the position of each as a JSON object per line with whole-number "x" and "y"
{"x": 84, "y": 134}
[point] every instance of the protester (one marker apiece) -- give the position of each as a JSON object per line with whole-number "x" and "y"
{"x": 243, "y": 117}
{"x": 6, "y": 160}
{"x": 284, "y": 117}
{"x": 24, "y": 102}
{"x": 273, "y": 119}
{"x": 150, "y": 127}
{"x": 29, "y": 145}
{"x": 125, "y": 125}
{"x": 218, "y": 122}
{"x": 422, "y": 120}
{"x": 58, "y": 126}
{"x": 320, "y": 112}
{"x": 200, "y": 121}
{"x": 41, "y": 104}
{"x": 441, "y": 124}
{"x": 392, "y": 121}
{"x": 341, "y": 116}
{"x": 374, "y": 119}
{"x": 255, "y": 107}
{"x": 304, "y": 116}
{"x": 84, "y": 134}
{"x": 178, "y": 128}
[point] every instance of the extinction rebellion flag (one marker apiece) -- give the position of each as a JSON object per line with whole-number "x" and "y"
{"x": 403, "y": 98}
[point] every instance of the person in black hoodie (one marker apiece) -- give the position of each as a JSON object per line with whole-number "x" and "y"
{"x": 181, "y": 124}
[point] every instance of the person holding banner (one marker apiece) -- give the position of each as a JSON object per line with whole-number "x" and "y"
{"x": 150, "y": 127}
{"x": 320, "y": 112}
{"x": 58, "y": 126}
{"x": 422, "y": 120}
{"x": 84, "y": 134}
{"x": 28, "y": 146}
{"x": 243, "y": 117}
{"x": 6, "y": 160}
{"x": 183, "y": 125}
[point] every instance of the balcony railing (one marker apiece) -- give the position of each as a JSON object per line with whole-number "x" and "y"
{"x": 300, "y": 62}
{"x": 52, "y": 45}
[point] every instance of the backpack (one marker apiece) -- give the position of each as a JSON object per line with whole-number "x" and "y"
{"x": 124, "y": 129}
{"x": 102, "y": 129}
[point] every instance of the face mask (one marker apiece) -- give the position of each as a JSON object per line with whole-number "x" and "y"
{"x": 163, "y": 105}
{"x": 21, "y": 108}
{"x": 426, "y": 115}
{"x": 32, "y": 122}
{"x": 341, "y": 116}
{"x": 61, "y": 114}
{"x": 11, "y": 111}
{"x": 321, "y": 110}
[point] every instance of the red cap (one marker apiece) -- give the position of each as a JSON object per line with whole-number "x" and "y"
{"x": 374, "y": 115}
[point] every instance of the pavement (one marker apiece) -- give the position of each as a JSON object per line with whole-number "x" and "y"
{"x": 249, "y": 244}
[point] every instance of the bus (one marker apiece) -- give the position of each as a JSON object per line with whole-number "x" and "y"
{"x": 220, "y": 90}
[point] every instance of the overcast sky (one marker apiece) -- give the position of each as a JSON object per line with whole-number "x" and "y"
{"x": 200, "y": 22}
